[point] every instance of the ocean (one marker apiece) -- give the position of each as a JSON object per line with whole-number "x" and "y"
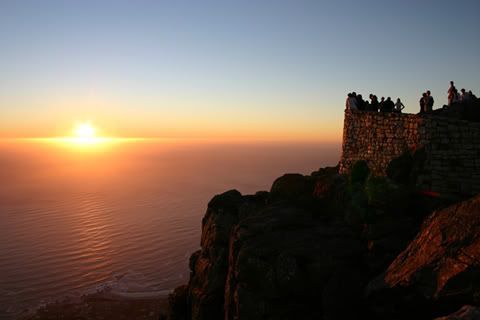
{"x": 124, "y": 215}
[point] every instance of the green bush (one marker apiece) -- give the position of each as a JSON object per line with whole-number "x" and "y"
{"x": 359, "y": 172}
{"x": 385, "y": 195}
{"x": 400, "y": 169}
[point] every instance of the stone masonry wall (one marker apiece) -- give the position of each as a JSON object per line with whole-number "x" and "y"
{"x": 452, "y": 147}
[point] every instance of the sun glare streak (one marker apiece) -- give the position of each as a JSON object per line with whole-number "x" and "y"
{"x": 94, "y": 144}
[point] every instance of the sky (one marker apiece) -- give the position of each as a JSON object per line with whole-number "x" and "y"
{"x": 263, "y": 69}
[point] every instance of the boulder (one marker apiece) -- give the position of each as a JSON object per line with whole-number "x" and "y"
{"x": 328, "y": 183}
{"x": 292, "y": 186}
{"x": 439, "y": 271}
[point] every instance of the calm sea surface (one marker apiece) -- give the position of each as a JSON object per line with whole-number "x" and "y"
{"x": 125, "y": 216}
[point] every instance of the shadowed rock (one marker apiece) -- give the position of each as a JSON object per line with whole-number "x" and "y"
{"x": 439, "y": 271}
{"x": 295, "y": 253}
{"x": 283, "y": 264}
{"x": 292, "y": 187}
{"x": 465, "y": 313}
{"x": 209, "y": 265}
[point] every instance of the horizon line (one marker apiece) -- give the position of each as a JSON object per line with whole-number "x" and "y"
{"x": 168, "y": 139}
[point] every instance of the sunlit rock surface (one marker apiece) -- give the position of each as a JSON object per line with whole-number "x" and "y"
{"x": 439, "y": 271}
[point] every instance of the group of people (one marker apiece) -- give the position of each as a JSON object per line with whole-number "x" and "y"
{"x": 454, "y": 96}
{"x": 356, "y": 102}
{"x": 426, "y": 101}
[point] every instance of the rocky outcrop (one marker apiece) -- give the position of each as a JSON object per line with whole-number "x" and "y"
{"x": 313, "y": 247}
{"x": 440, "y": 269}
{"x": 209, "y": 265}
{"x": 275, "y": 255}
{"x": 285, "y": 263}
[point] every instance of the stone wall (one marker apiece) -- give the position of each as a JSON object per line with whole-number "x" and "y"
{"x": 452, "y": 147}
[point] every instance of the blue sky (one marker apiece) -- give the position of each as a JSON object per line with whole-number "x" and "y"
{"x": 263, "y": 69}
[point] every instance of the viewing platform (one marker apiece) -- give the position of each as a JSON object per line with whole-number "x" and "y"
{"x": 450, "y": 147}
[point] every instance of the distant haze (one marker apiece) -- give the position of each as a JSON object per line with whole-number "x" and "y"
{"x": 270, "y": 69}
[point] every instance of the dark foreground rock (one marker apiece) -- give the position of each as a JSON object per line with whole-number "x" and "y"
{"x": 465, "y": 313}
{"x": 305, "y": 249}
{"x": 284, "y": 263}
{"x": 209, "y": 265}
{"x": 270, "y": 260}
{"x": 314, "y": 246}
{"x": 439, "y": 271}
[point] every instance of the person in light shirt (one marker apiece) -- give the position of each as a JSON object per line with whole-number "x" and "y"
{"x": 399, "y": 106}
{"x": 465, "y": 95}
{"x": 351, "y": 103}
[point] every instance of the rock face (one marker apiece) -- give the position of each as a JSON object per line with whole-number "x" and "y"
{"x": 284, "y": 263}
{"x": 209, "y": 265}
{"x": 314, "y": 246}
{"x": 275, "y": 255}
{"x": 440, "y": 269}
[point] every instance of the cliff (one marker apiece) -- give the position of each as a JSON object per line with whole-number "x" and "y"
{"x": 362, "y": 240}
{"x": 314, "y": 247}
{"x": 388, "y": 234}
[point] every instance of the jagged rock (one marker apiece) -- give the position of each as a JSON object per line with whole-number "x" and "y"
{"x": 209, "y": 265}
{"x": 177, "y": 304}
{"x": 439, "y": 271}
{"x": 281, "y": 264}
{"x": 270, "y": 256}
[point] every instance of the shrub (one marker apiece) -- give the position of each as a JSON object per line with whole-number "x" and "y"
{"x": 359, "y": 172}
{"x": 400, "y": 169}
{"x": 385, "y": 195}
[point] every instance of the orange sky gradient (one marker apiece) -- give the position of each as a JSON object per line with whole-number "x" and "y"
{"x": 185, "y": 120}
{"x": 268, "y": 70}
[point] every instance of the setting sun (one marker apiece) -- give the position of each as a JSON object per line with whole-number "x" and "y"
{"x": 85, "y": 130}
{"x": 85, "y": 133}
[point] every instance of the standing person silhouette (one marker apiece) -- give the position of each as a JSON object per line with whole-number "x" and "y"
{"x": 452, "y": 92}
{"x": 373, "y": 103}
{"x": 399, "y": 106}
{"x": 423, "y": 102}
{"x": 429, "y": 102}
